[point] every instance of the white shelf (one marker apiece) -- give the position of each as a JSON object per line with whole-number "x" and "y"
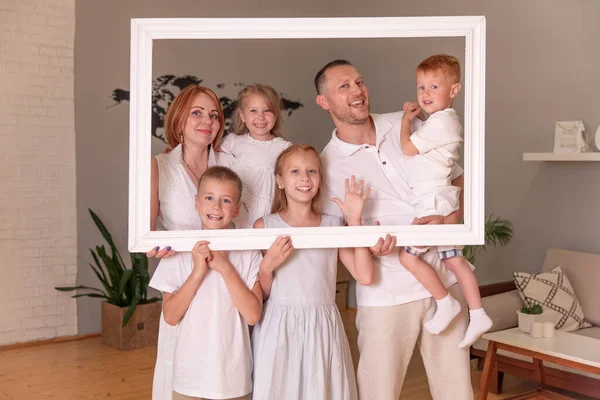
{"x": 561, "y": 156}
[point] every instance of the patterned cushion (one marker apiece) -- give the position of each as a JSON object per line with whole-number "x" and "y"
{"x": 554, "y": 292}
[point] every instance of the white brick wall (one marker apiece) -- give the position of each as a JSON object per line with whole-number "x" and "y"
{"x": 37, "y": 169}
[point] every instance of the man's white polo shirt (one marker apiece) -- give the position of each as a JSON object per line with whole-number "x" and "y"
{"x": 383, "y": 169}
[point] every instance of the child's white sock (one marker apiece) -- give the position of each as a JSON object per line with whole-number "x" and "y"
{"x": 479, "y": 324}
{"x": 447, "y": 309}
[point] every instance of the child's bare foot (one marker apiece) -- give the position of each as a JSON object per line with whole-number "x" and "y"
{"x": 447, "y": 309}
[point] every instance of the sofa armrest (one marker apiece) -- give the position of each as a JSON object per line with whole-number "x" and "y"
{"x": 502, "y": 309}
{"x": 495, "y": 288}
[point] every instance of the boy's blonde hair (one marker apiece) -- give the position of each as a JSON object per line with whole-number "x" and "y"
{"x": 442, "y": 62}
{"x": 273, "y": 102}
{"x": 222, "y": 174}
{"x": 279, "y": 198}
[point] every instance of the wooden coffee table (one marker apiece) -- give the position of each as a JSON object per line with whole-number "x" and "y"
{"x": 567, "y": 349}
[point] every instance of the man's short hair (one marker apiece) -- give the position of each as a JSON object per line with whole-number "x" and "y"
{"x": 222, "y": 174}
{"x": 442, "y": 62}
{"x": 320, "y": 77}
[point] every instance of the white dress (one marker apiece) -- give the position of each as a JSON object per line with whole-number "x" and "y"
{"x": 176, "y": 193}
{"x": 300, "y": 348}
{"x": 254, "y": 162}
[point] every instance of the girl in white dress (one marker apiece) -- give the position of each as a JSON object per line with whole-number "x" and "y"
{"x": 300, "y": 347}
{"x": 193, "y": 128}
{"x": 255, "y": 144}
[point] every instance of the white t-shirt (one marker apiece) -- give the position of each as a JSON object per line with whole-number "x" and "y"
{"x": 213, "y": 357}
{"x": 429, "y": 172}
{"x": 383, "y": 168}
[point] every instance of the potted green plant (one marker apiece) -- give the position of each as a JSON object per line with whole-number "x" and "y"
{"x": 529, "y": 314}
{"x": 129, "y": 318}
{"x": 498, "y": 231}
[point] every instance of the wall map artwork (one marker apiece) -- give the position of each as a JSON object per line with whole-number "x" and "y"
{"x": 166, "y": 87}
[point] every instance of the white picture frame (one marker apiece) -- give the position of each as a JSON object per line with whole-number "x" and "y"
{"x": 145, "y": 31}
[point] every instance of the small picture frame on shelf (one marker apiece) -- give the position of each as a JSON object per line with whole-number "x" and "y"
{"x": 570, "y": 137}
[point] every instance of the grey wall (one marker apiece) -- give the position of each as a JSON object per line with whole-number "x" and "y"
{"x": 541, "y": 67}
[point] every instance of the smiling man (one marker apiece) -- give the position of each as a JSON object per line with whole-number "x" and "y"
{"x": 392, "y": 310}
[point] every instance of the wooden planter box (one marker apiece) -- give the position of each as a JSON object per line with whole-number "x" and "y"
{"x": 140, "y": 331}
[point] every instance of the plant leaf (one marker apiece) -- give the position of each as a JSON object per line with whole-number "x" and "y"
{"x": 95, "y": 257}
{"x": 71, "y": 288}
{"x": 130, "y": 288}
{"x": 100, "y": 225}
{"x": 105, "y": 234}
{"x": 108, "y": 289}
{"x": 114, "y": 274}
{"x": 498, "y": 231}
{"x": 115, "y": 256}
{"x": 109, "y": 286}
{"x": 469, "y": 253}
{"x": 125, "y": 287}
{"x": 66, "y": 288}
{"x": 90, "y": 295}
{"x": 115, "y": 266}
{"x": 525, "y": 310}
{"x": 124, "y": 279}
{"x": 141, "y": 266}
{"x": 99, "y": 276}
{"x": 537, "y": 309}
{"x": 153, "y": 300}
{"x": 130, "y": 310}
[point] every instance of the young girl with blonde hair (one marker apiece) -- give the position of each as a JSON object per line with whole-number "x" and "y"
{"x": 255, "y": 144}
{"x": 300, "y": 347}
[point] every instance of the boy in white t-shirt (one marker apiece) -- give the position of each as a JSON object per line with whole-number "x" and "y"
{"x": 433, "y": 149}
{"x": 212, "y": 296}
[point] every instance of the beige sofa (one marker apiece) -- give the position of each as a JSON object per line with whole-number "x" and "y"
{"x": 501, "y": 301}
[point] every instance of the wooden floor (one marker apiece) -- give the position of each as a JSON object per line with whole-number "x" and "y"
{"x": 86, "y": 369}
